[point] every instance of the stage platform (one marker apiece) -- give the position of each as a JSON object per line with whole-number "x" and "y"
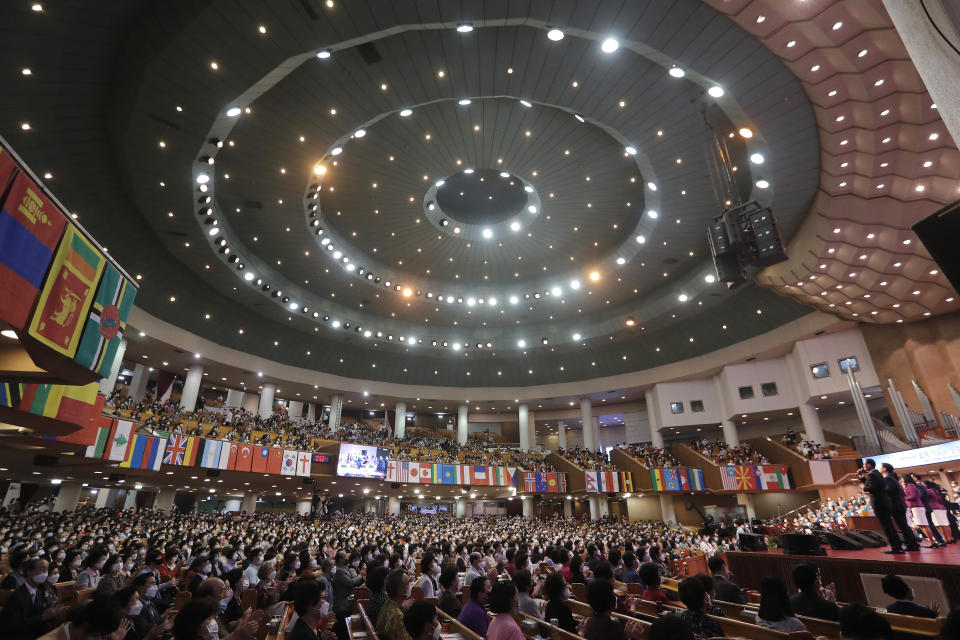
{"x": 844, "y": 568}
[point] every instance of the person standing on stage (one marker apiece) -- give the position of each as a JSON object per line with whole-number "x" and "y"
{"x": 879, "y": 502}
{"x": 898, "y": 505}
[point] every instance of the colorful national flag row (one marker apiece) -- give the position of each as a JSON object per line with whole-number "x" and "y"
{"x": 119, "y": 442}
{"x": 608, "y": 481}
{"x": 544, "y": 482}
{"x": 54, "y": 282}
{"x": 766, "y": 477}
{"x": 79, "y": 405}
{"x": 677, "y": 479}
{"x": 429, "y": 473}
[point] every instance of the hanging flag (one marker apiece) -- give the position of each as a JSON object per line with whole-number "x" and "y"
{"x": 120, "y": 440}
{"x": 105, "y": 325}
{"x": 626, "y": 482}
{"x": 303, "y": 464}
{"x": 418, "y": 472}
{"x": 137, "y": 452}
{"x": 244, "y": 458}
{"x": 671, "y": 479}
{"x": 261, "y": 456}
{"x": 67, "y": 293}
{"x": 394, "y": 468}
{"x": 158, "y": 446}
{"x": 529, "y": 482}
{"x": 7, "y": 167}
{"x": 656, "y": 478}
{"x": 211, "y": 454}
{"x": 514, "y": 473}
{"x": 276, "y": 461}
{"x": 181, "y": 450}
{"x": 30, "y": 227}
{"x": 288, "y": 466}
{"x": 480, "y": 475}
{"x": 696, "y": 479}
{"x": 10, "y": 394}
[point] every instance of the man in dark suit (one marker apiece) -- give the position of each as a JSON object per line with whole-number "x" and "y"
{"x": 724, "y": 589}
{"x": 873, "y": 484}
{"x": 27, "y": 611}
{"x": 898, "y": 505}
{"x": 903, "y": 604}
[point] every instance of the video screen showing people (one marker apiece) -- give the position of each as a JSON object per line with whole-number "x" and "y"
{"x": 362, "y": 461}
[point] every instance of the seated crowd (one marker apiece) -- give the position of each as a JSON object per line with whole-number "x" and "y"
{"x": 242, "y": 573}
{"x": 808, "y": 448}
{"x": 723, "y": 454}
{"x": 586, "y": 459}
{"x": 651, "y": 456}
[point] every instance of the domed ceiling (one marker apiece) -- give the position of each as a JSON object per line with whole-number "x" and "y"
{"x": 478, "y": 194}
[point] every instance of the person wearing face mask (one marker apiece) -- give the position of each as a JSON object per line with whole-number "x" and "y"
{"x": 148, "y": 616}
{"x": 128, "y": 600}
{"x": 254, "y": 559}
{"x": 238, "y": 583}
{"x": 29, "y": 610}
{"x": 473, "y": 614}
{"x": 421, "y": 621}
{"x": 230, "y": 558}
{"x": 556, "y": 592}
{"x": 389, "y": 625}
{"x": 15, "y": 578}
{"x": 343, "y": 586}
{"x": 89, "y": 578}
{"x": 197, "y": 621}
{"x": 312, "y": 610}
{"x": 428, "y": 578}
{"x": 96, "y": 619}
{"x": 217, "y": 590}
{"x": 112, "y": 579}
{"x": 201, "y": 566}
{"x": 269, "y": 588}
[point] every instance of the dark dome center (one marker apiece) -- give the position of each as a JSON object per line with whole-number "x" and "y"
{"x": 482, "y": 197}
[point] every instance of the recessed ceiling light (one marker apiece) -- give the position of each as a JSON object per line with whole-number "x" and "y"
{"x": 837, "y": 25}
{"x": 521, "y": 343}
{"x": 25, "y": 71}
{"x": 464, "y": 102}
{"x": 631, "y": 150}
{"x": 610, "y": 45}
{"x": 576, "y": 337}
{"x": 746, "y": 132}
{"x": 762, "y": 184}
{"x": 630, "y": 322}
{"x": 526, "y": 103}
{"x": 406, "y": 112}
{"x": 715, "y": 92}
{"x": 323, "y": 54}
{"x": 594, "y": 275}
{"x": 25, "y": 126}
{"x": 791, "y": 44}
{"x": 683, "y": 297}
{"x": 487, "y": 233}
{"x": 756, "y": 158}
{"x": 555, "y": 34}
{"x": 677, "y": 72}
{"x": 359, "y": 133}
{"x": 464, "y": 27}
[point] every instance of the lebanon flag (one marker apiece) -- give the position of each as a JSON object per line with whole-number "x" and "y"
{"x": 244, "y": 457}
{"x": 303, "y": 464}
{"x": 261, "y": 455}
{"x": 276, "y": 461}
{"x": 289, "y": 465}
{"x": 119, "y": 440}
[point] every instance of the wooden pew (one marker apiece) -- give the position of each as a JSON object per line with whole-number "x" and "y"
{"x": 924, "y": 627}
{"x": 281, "y": 630}
{"x": 818, "y": 627}
{"x": 456, "y": 626}
{"x": 248, "y": 599}
{"x": 578, "y": 590}
{"x": 360, "y": 625}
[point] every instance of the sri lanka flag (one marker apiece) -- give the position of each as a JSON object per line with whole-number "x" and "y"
{"x": 106, "y": 322}
{"x": 30, "y": 227}
{"x": 67, "y": 293}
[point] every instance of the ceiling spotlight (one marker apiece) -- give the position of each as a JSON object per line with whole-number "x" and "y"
{"x": 677, "y": 72}
{"x": 487, "y": 233}
{"x": 574, "y": 284}
{"x": 579, "y": 117}
{"x": 504, "y": 174}
{"x": 683, "y": 297}
{"x": 756, "y": 158}
{"x": 464, "y": 28}
{"x": 762, "y": 184}
{"x": 631, "y": 150}
{"x": 715, "y": 92}
{"x": 544, "y": 341}
{"x": 463, "y": 102}
{"x": 233, "y": 112}
{"x": 528, "y": 189}
{"x": 594, "y": 275}
{"x": 746, "y": 132}
{"x": 526, "y": 103}
{"x": 709, "y": 278}
{"x": 320, "y": 170}
{"x": 359, "y": 133}
{"x": 621, "y": 260}
{"x": 406, "y": 113}
{"x": 532, "y": 208}
{"x": 630, "y": 322}
{"x": 203, "y": 178}
{"x": 652, "y": 186}
{"x": 576, "y": 337}
{"x": 514, "y": 226}
{"x": 521, "y": 343}
{"x": 609, "y": 45}
{"x": 555, "y": 291}
{"x": 9, "y": 333}
{"x": 468, "y": 171}
{"x": 323, "y": 54}
{"x": 641, "y": 239}
{"x": 555, "y": 34}
{"x": 336, "y": 151}
{"x": 652, "y": 214}
{"x": 514, "y": 300}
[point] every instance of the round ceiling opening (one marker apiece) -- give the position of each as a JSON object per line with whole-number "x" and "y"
{"x": 482, "y": 196}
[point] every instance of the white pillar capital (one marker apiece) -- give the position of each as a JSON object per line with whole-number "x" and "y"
{"x": 400, "y": 428}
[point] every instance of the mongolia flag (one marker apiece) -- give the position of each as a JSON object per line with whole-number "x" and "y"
{"x": 303, "y": 464}
{"x": 244, "y": 458}
{"x": 106, "y": 323}
{"x": 211, "y": 454}
{"x": 288, "y": 466}
{"x": 261, "y": 455}
{"x": 67, "y": 293}
{"x": 275, "y": 464}
{"x": 656, "y": 477}
{"x": 30, "y": 227}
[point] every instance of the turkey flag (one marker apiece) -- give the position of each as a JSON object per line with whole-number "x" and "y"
{"x": 244, "y": 458}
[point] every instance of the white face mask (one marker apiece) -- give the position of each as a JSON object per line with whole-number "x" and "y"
{"x": 244, "y": 583}
{"x": 324, "y": 609}
{"x": 136, "y": 608}
{"x": 409, "y": 589}
{"x": 151, "y": 592}
{"x": 205, "y": 569}
{"x": 128, "y": 565}
{"x": 271, "y": 575}
{"x": 436, "y": 632}
{"x": 116, "y": 566}
{"x": 53, "y": 577}
{"x": 213, "y": 629}
{"x": 296, "y": 565}
{"x": 39, "y": 578}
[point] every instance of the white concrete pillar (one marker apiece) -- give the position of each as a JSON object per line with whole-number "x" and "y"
{"x": 234, "y": 398}
{"x": 595, "y": 427}
{"x": 604, "y": 503}
{"x": 67, "y": 497}
{"x": 730, "y": 435}
{"x": 811, "y": 423}
{"x": 461, "y": 508}
{"x": 233, "y": 505}
{"x": 130, "y": 502}
{"x": 656, "y": 438}
{"x": 107, "y": 384}
{"x": 668, "y": 514}
{"x": 163, "y": 500}
{"x": 393, "y": 505}
{"x": 249, "y": 502}
{"x": 191, "y": 388}
{"x": 138, "y": 385}
{"x": 594, "y": 501}
{"x": 746, "y": 500}
{"x": 400, "y": 429}
{"x": 336, "y": 406}
{"x": 568, "y": 508}
{"x": 523, "y": 419}
{"x": 562, "y": 434}
{"x": 304, "y": 505}
{"x": 527, "y": 506}
{"x": 106, "y": 499}
{"x": 586, "y": 419}
{"x": 462, "y": 424}
{"x": 532, "y": 431}
{"x": 265, "y": 408}
{"x": 311, "y": 412}
{"x": 295, "y": 410}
